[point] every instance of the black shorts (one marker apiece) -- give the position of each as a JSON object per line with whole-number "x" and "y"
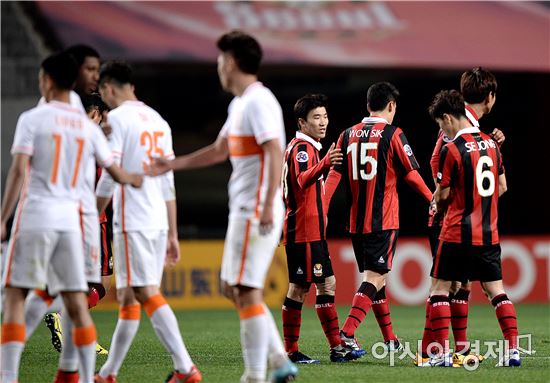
{"x": 458, "y": 262}
{"x": 375, "y": 251}
{"x": 433, "y": 236}
{"x": 106, "y": 262}
{"x": 308, "y": 262}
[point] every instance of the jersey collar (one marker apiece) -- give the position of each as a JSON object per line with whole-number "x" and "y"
{"x": 305, "y": 137}
{"x": 472, "y": 116}
{"x": 470, "y": 130}
{"x": 374, "y": 120}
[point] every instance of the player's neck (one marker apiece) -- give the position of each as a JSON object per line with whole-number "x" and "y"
{"x": 242, "y": 82}
{"x": 125, "y": 96}
{"x": 59, "y": 96}
{"x": 479, "y": 109}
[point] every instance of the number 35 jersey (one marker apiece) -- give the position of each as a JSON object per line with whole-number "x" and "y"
{"x": 62, "y": 142}
{"x": 139, "y": 135}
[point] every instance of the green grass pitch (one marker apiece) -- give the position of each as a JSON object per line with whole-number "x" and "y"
{"x": 212, "y": 338}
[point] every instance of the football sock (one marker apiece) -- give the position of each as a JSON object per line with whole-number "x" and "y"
{"x": 13, "y": 342}
{"x": 166, "y": 327}
{"x": 427, "y": 336}
{"x": 292, "y": 320}
{"x": 506, "y": 315}
{"x": 125, "y": 331}
{"x": 68, "y": 361}
{"x": 275, "y": 348}
{"x": 440, "y": 318}
{"x": 254, "y": 342}
{"x": 85, "y": 339}
{"x": 360, "y": 306}
{"x": 36, "y": 306}
{"x": 459, "y": 319}
{"x": 326, "y": 311}
{"x": 381, "y": 310}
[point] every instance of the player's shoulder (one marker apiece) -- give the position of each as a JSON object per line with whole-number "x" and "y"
{"x": 258, "y": 94}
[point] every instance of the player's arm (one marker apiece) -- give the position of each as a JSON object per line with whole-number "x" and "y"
{"x": 502, "y": 186}
{"x": 311, "y": 175}
{"x": 447, "y": 170}
{"x": 272, "y": 149}
{"x": 334, "y": 176}
{"x": 172, "y": 248}
{"x": 14, "y": 183}
{"x": 416, "y": 182}
{"x": 212, "y": 154}
{"x": 441, "y": 197}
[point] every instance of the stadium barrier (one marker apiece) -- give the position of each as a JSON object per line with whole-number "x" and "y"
{"x": 194, "y": 282}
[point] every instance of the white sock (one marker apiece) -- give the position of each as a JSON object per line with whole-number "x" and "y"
{"x": 123, "y": 336}
{"x": 57, "y": 305}
{"x": 11, "y": 357}
{"x": 166, "y": 327}
{"x": 35, "y": 309}
{"x": 68, "y": 360}
{"x": 254, "y": 344}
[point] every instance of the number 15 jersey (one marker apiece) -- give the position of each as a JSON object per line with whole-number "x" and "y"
{"x": 139, "y": 135}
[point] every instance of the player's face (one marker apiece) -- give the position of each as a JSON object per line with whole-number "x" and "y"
{"x": 107, "y": 94}
{"x": 44, "y": 84}
{"x": 225, "y": 63}
{"x": 88, "y": 76}
{"x": 316, "y": 123}
{"x": 446, "y": 124}
{"x": 491, "y": 99}
{"x": 95, "y": 116}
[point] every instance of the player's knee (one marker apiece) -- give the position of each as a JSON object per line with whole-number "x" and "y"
{"x": 298, "y": 292}
{"x": 328, "y": 287}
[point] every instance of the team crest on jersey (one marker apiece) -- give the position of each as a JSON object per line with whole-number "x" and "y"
{"x": 302, "y": 157}
{"x": 439, "y": 176}
{"x": 408, "y": 150}
{"x": 318, "y": 270}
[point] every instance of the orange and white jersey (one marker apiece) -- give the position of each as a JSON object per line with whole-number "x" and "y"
{"x": 62, "y": 141}
{"x": 253, "y": 119}
{"x": 139, "y": 134}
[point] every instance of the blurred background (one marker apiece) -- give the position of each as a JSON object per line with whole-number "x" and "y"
{"x": 336, "y": 48}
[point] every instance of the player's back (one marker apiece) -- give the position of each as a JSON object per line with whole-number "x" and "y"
{"x": 474, "y": 169}
{"x": 376, "y": 153}
{"x": 59, "y": 140}
{"x": 140, "y": 134}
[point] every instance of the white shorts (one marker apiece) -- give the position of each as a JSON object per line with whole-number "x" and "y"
{"x": 139, "y": 258}
{"x": 247, "y": 255}
{"x": 90, "y": 227}
{"x": 46, "y": 258}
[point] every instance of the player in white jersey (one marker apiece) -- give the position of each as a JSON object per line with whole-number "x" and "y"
{"x": 52, "y": 146}
{"x": 144, "y": 224}
{"x": 253, "y": 137}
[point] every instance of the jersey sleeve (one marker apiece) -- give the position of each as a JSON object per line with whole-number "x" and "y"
{"x": 403, "y": 151}
{"x": 265, "y": 122}
{"x": 116, "y": 139}
{"x": 102, "y": 151}
{"x": 225, "y": 128}
{"x": 447, "y": 166}
{"x": 434, "y": 161}
{"x": 23, "y": 141}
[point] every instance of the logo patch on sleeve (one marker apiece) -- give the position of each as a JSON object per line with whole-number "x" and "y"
{"x": 302, "y": 157}
{"x": 408, "y": 150}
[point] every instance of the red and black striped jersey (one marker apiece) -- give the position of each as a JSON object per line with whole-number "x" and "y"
{"x": 470, "y": 165}
{"x": 303, "y": 191}
{"x": 375, "y": 155}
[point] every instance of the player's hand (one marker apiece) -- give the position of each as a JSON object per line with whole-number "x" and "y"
{"x": 4, "y": 231}
{"x": 266, "y": 220}
{"x": 159, "y": 166}
{"x": 136, "y": 180}
{"x": 335, "y": 155}
{"x": 498, "y": 136}
{"x": 172, "y": 251}
{"x": 105, "y": 126}
{"x": 433, "y": 207}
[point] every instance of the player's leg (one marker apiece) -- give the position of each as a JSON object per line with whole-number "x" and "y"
{"x": 39, "y": 304}
{"x": 13, "y": 333}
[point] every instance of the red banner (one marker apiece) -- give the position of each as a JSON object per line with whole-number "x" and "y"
{"x": 525, "y": 263}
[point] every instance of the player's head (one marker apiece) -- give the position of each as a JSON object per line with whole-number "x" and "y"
{"x": 94, "y": 106}
{"x": 311, "y": 115}
{"x": 382, "y": 100}
{"x": 239, "y": 53}
{"x": 115, "y": 82}
{"x": 58, "y": 72}
{"x": 479, "y": 86}
{"x": 447, "y": 109}
{"x": 87, "y": 59}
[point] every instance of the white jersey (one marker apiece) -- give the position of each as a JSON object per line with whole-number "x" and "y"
{"x": 253, "y": 119}
{"x": 74, "y": 100}
{"x": 62, "y": 141}
{"x": 139, "y": 134}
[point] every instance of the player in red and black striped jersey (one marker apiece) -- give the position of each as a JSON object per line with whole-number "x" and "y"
{"x": 470, "y": 181}
{"x": 376, "y": 154}
{"x": 305, "y": 230}
{"x": 478, "y": 87}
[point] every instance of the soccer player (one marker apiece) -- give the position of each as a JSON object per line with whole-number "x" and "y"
{"x": 253, "y": 137}
{"x": 53, "y": 145}
{"x": 376, "y": 154}
{"x": 145, "y": 225}
{"x": 478, "y": 87}
{"x": 304, "y": 230}
{"x": 470, "y": 181}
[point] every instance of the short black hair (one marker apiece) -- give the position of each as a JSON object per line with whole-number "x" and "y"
{"x": 118, "y": 72}
{"x": 93, "y": 101}
{"x": 62, "y": 68}
{"x": 307, "y": 103}
{"x": 447, "y": 102}
{"x": 380, "y": 94}
{"x": 81, "y": 51}
{"x": 476, "y": 84}
{"x": 244, "y": 48}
